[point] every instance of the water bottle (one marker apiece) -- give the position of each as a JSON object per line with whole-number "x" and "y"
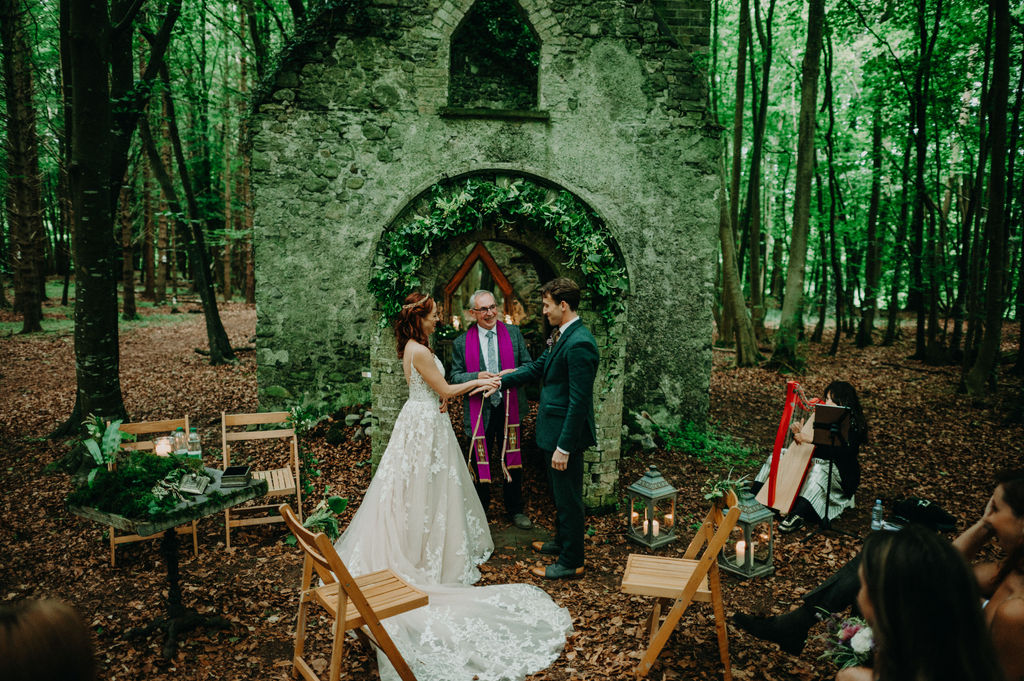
{"x": 877, "y": 515}
{"x": 194, "y": 447}
{"x": 180, "y": 442}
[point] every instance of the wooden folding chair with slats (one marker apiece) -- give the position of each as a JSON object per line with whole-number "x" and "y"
{"x": 680, "y": 581}
{"x": 362, "y": 602}
{"x": 149, "y": 428}
{"x": 282, "y": 481}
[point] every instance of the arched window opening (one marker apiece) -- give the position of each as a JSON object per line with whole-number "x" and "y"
{"x": 495, "y": 58}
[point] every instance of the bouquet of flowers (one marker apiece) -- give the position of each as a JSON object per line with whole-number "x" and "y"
{"x": 849, "y": 641}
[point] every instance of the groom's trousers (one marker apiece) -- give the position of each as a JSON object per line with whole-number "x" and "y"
{"x": 567, "y": 488}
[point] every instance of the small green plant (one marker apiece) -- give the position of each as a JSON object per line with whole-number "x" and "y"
{"x": 715, "y": 449}
{"x": 716, "y": 489}
{"x": 324, "y": 518}
{"x": 103, "y": 439}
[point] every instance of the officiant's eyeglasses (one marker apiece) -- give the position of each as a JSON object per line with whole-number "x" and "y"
{"x": 489, "y": 308}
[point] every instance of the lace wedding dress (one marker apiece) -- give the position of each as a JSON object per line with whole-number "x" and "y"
{"x": 421, "y": 517}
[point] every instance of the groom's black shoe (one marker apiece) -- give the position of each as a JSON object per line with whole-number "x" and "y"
{"x": 558, "y": 571}
{"x": 788, "y": 631}
{"x": 548, "y": 548}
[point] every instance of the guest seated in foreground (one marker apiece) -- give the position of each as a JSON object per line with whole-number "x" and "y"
{"x": 922, "y": 603}
{"x": 44, "y": 641}
{"x": 815, "y": 493}
{"x": 1002, "y": 583}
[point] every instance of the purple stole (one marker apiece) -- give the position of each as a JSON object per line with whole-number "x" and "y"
{"x": 511, "y": 456}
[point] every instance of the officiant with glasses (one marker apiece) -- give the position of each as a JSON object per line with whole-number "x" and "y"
{"x": 492, "y": 423}
{"x": 816, "y": 496}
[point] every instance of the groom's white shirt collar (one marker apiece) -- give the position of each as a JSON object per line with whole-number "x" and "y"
{"x": 563, "y": 327}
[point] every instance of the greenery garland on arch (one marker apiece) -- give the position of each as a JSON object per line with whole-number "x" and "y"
{"x": 461, "y": 207}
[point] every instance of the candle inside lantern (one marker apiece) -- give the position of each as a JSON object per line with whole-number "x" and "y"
{"x": 654, "y": 528}
{"x": 456, "y": 321}
{"x": 668, "y": 520}
{"x": 162, "y": 446}
{"x": 634, "y": 519}
{"x": 741, "y": 552}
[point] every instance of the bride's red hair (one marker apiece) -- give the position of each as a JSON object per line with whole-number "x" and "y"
{"x": 409, "y": 325}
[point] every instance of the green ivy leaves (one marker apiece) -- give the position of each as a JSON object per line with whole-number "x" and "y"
{"x": 462, "y": 207}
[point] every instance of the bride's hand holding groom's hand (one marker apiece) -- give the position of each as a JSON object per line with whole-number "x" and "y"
{"x": 488, "y": 386}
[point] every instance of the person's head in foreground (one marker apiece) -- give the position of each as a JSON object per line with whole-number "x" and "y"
{"x": 923, "y": 605}
{"x": 44, "y": 641}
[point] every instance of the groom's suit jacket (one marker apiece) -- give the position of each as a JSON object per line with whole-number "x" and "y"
{"x": 459, "y": 374}
{"x": 565, "y": 417}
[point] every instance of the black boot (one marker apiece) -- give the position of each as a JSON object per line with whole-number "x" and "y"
{"x": 789, "y": 631}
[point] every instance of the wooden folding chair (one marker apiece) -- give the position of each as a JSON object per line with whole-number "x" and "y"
{"x": 362, "y": 601}
{"x": 680, "y": 581}
{"x": 148, "y": 428}
{"x": 283, "y": 481}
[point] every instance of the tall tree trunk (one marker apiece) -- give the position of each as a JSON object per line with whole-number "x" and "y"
{"x": 892, "y": 327}
{"x": 753, "y": 213}
{"x": 919, "y": 129}
{"x": 737, "y": 123}
{"x": 128, "y": 311}
{"x": 833, "y": 192}
{"x": 220, "y": 347}
{"x": 1015, "y": 128}
{"x": 97, "y": 357}
{"x": 148, "y": 234}
{"x": 982, "y": 375}
{"x": 747, "y": 352}
{"x": 822, "y": 264}
{"x": 873, "y": 266}
{"x": 244, "y": 188}
{"x": 24, "y": 183}
{"x": 784, "y": 353}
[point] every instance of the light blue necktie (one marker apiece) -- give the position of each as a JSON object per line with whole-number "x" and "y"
{"x": 492, "y": 364}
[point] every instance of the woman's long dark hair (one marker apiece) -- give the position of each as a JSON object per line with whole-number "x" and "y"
{"x": 1012, "y": 482}
{"x": 845, "y": 395}
{"x": 928, "y": 624}
{"x": 409, "y": 325}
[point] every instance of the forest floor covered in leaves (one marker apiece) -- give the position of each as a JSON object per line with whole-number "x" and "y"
{"x": 926, "y": 440}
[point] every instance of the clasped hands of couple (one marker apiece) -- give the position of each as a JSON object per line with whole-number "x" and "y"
{"x": 491, "y": 384}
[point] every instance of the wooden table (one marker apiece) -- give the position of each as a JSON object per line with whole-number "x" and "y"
{"x": 178, "y": 618}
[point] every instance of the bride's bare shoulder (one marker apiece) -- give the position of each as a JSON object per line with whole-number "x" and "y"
{"x": 415, "y": 348}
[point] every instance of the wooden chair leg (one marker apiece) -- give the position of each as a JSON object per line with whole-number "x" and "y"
{"x": 661, "y": 637}
{"x": 300, "y": 629}
{"x": 654, "y": 621}
{"x": 721, "y": 629}
{"x": 337, "y": 650}
{"x": 113, "y": 548}
{"x": 227, "y": 531}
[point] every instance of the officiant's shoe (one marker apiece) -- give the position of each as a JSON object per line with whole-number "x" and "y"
{"x": 558, "y": 571}
{"x": 548, "y": 548}
{"x": 522, "y": 521}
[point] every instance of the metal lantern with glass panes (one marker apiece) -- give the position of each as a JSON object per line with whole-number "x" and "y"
{"x": 651, "y": 513}
{"x": 749, "y": 551}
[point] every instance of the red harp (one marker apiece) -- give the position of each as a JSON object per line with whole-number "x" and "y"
{"x": 790, "y": 459}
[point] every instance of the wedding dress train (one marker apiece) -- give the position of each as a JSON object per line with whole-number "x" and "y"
{"x": 422, "y": 518}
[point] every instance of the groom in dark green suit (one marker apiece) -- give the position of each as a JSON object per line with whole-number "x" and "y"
{"x": 565, "y": 419}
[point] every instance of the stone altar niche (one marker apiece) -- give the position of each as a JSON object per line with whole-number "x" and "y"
{"x": 358, "y": 122}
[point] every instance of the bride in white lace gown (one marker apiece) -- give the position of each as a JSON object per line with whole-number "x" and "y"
{"x": 422, "y": 518}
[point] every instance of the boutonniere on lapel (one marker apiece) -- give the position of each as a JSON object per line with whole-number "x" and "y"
{"x": 553, "y": 338}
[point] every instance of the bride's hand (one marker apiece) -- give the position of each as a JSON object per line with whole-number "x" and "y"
{"x": 487, "y": 386}
{"x": 444, "y": 406}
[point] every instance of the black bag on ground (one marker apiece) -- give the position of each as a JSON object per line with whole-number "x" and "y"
{"x": 923, "y": 512}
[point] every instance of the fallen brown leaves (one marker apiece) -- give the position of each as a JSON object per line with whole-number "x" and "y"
{"x": 927, "y": 441}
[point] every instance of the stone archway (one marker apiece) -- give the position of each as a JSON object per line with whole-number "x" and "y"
{"x": 388, "y": 386}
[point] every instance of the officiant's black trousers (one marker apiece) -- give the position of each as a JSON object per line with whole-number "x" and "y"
{"x": 511, "y": 491}
{"x": 567, "y": 488}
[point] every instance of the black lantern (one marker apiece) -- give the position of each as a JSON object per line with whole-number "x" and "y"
{"x": 651, "y": 513}
{"x": 749, "y": 551}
